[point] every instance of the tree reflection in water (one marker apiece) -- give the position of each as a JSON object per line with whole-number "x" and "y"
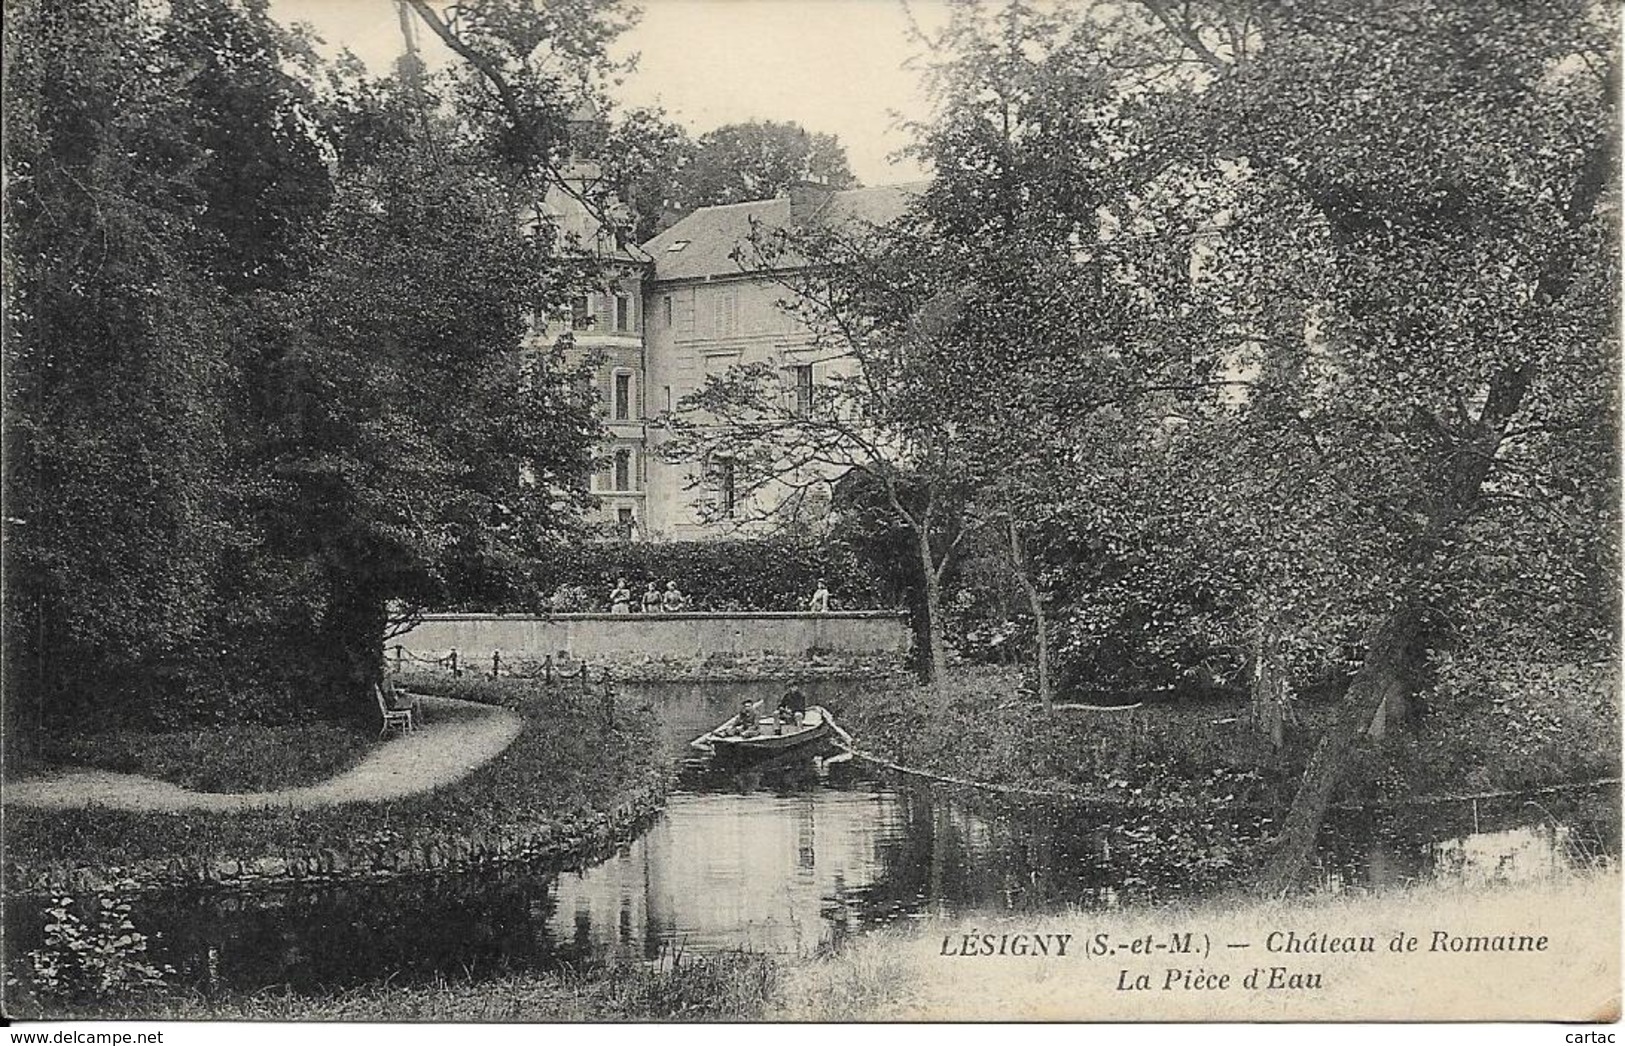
{"x": 785, "y": 860}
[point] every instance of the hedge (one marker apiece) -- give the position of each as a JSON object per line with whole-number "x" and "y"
{"x": 745, "y": 574}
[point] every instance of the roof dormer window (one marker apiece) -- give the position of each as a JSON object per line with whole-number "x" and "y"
{"x": 676, "y": 245}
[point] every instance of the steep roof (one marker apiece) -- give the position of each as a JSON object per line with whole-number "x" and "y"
{"x": 710, "y": 235}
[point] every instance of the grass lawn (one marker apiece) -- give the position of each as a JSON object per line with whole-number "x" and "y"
{"x": 568, "y": 763}
{"x": 232, "y": 758}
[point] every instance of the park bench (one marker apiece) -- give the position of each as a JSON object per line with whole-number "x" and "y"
{"x": 397, "y": 708}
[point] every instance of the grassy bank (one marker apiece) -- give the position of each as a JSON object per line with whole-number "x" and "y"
{"x": 904, "y": 974}
{"x": 240, "y": 757}
{"x": 979, "y": 726}
{"x": 730, "y": 987}
{"x": 570, "y": 763}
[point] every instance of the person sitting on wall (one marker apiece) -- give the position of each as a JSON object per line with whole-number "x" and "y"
{"x": 793, "y": 706}
{"x": 620, "y": 600}
{"x": 672, "y": 602}
{"x": 819, "y": 603}
{"x": 651, "y": 599}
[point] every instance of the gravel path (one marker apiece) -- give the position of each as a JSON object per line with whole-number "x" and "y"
{"x": 461, "y": 738}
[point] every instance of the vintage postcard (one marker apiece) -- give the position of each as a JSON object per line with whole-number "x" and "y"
{"x": 865, "y": 510}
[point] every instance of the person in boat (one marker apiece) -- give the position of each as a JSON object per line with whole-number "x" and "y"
{"x": 620, "y": 600}
{"x": 819, "y": 603}
{"x": 793, "y": 706}
{"x": 745, "y": 724}
{"x": 651, "y": 599}
{"x": 672, "y": 602}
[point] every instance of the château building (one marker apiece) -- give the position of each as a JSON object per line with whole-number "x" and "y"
{"x": 705, "y": 312}
{"x": 670, "y": 313}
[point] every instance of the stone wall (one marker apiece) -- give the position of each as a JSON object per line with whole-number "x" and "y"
{"x": 639, "y": 644}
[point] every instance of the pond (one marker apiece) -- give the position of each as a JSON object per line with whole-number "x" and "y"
{"x": 790, "y": 860}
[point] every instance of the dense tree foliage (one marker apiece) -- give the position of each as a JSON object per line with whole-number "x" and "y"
{"x": 1303, "y": 321}
{"x": 1259, "y": 343}
{"x": 644, "y": 158}
{"x": 267, "y": 357}
{"x": 767, "y": 573}
{"x": 663, "y": 174}
{"x": 758, "y": 160}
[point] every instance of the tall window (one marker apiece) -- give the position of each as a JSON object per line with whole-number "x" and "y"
{"x": 623, "y": 470}
{"x": 623, "y": 312}
{"x": 804, "y": 390}
{"x": 626, "y": 521}
{"x": 724, "y": 480}
{"x": 581, "y": 312}
{"x": 665, "y": 311}
{"x": 623, "y": 397}
{"x": 725, "y": 304}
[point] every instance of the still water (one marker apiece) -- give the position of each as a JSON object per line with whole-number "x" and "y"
{"x": 790, "y": 860}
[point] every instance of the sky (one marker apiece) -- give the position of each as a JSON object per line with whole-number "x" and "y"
{"x": 836, "y": 66}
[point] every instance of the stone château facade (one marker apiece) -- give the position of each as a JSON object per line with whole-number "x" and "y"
{"x": 672, "y": 312}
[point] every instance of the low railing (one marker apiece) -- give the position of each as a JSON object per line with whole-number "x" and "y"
{"x": 665, "y": 615}
{"x": 457, "y": 664}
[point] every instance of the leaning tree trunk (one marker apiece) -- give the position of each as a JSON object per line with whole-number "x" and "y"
{"x": 1381, "y": 676}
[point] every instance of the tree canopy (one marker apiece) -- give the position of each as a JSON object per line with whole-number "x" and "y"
{"x": 663, "y": 173}
{"x": 1302, "y": 316}
{"x": 269, "y": 362}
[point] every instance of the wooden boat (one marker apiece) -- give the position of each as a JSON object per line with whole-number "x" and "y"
{"x": 772, "y": 737}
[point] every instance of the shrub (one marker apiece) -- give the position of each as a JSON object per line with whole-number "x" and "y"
{"x": 92, "y": 953}
{"x": 747, "y": 574}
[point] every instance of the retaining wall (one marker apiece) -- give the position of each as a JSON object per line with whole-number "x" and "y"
{"x": 628, "y": 639}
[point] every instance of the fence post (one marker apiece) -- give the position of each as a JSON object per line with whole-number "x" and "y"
{"x": 496, "y": 663}
{"x": 547, "y": 668}
{"x": 453, "y": 659}
{"x": 583, "y": 677}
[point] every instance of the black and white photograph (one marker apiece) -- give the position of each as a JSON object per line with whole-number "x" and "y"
{"x": 762, "y": 512}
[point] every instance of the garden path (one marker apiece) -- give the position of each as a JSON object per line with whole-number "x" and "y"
{"x": 458, "y": 738}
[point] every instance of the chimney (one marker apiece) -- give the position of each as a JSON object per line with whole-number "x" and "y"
{"x": 807, "y": 199}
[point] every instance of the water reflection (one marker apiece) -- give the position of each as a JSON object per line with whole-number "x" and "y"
{"x": 785, "y": 859}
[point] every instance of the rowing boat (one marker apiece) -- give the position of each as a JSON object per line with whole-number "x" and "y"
{"x": 771, "y": 737}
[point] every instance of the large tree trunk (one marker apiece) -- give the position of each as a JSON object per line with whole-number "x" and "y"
{"x": 353, "y": 631}
{"x": 935, "y": 664}
{"x": 1381, "y": 677}
{"x": 1270, "y": 687}
{"x": 1035, "y": 600}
